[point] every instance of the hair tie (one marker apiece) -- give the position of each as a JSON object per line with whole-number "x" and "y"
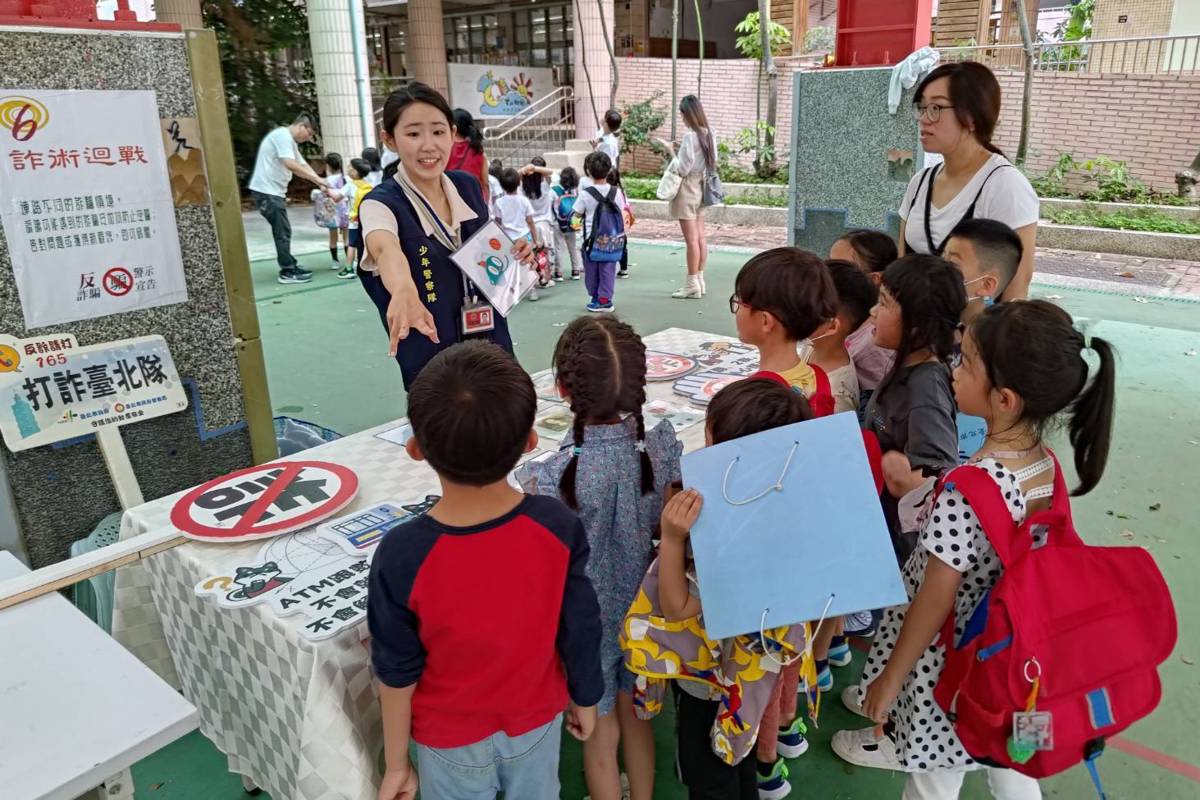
{"x": 640, "y": 446}
{"x": 576, "y": 450}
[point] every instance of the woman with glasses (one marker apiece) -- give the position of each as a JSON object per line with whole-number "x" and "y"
{"x": 956, "y": 107}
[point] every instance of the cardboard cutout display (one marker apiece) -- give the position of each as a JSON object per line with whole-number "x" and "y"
{"x": 667, "y": 366}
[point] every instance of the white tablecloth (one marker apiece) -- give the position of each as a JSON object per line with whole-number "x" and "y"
{"x": 299, "y": 718}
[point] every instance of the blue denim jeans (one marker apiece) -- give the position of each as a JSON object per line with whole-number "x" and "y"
{"x": 524, "y": 767}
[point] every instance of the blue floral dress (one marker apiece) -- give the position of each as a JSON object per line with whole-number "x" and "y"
{"x": 619, "y": 519}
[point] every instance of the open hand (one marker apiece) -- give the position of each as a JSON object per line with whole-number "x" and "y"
{"x": 523, "y": 251}
{"x": 406, "y": 311}
{"x": 680, "y": 514}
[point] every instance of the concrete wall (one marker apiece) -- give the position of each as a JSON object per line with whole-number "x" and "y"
{"x": 61, "y": 492}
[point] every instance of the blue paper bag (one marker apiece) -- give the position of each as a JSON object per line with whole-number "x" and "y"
{"x": 759, "y": 550}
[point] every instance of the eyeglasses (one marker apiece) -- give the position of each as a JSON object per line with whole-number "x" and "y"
{"x": 931, "y": 112}
{"x": 735, "y": 303}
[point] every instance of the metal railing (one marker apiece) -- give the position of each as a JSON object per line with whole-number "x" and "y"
{"x": 542, "y": 127}
{"x": 1147, "y": 55}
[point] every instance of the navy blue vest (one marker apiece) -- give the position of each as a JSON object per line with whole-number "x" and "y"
{"x": 442, "y": 292}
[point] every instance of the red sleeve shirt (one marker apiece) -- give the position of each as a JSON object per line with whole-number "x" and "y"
{"x": 496, "y": 624}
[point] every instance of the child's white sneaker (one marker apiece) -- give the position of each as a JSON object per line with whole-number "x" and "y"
{"x": 863, "y": 748}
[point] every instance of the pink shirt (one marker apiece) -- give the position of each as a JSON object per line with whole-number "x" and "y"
{"x": 871, "y": 362}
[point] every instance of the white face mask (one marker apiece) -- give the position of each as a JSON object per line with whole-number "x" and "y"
{"x": 987, "y": 300}
{"x": 818, "y": 338}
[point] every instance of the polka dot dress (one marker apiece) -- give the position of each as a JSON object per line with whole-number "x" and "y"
{"x": 925, "y": 740}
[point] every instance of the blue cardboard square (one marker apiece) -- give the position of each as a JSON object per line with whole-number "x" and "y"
{"x": 787, "y": 552}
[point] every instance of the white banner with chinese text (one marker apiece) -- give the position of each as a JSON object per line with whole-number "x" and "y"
{"x": 52, "y": 390}
{"x": 86, "y": 204}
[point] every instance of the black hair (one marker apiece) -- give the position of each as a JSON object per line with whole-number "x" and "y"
{"x": 997, "y": 246}
{"x": 754, "y": 405}
{"x": 875, "y": 249}
{"x": 614, "y": 178}
{"x": 598, "y": 165}
{"x": 791, "y": 284}
{"x": 391, "y": 169}
{"x": 856, "y": 292}
{"x": 415, "y": 92}
{"x": 495, "y": 168}
{"x": 307, "y": 121}
{"x": 360, "y": 166}
{"x": 612, "y": 119}
{"x": 532, "y": 183}
{"x": 568, "y": 179}
{"x": 1033, "y": 348}
{"x": 974, "y": 96}
{"x": 371, "y": 156}
{"x": 471, "y": 409}
{"x": 510, "y": 179}
{"x": 931, "y": 296}
{"x": 600, "y": 363}
{"x": 334, "y": 162}
{"x": 464, "y": 123}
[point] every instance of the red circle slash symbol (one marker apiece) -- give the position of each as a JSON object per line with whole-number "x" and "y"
{"x": 118, "y": 281}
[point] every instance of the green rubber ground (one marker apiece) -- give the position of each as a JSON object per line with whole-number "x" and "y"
{"x": 327, "y": 363}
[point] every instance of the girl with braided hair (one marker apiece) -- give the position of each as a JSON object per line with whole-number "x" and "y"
{"x": 613, "y": 472}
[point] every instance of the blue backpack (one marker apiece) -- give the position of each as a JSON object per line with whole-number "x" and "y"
{"x": 564, "y": 208}
{"x": 606, "y": 238}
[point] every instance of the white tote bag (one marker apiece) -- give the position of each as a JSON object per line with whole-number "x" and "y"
{"x": 668, "y": 185}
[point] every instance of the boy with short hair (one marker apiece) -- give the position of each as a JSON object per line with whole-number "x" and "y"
{"x": 600, "y": 257}
{"x": 988, "y": 253}
{"x": 856, "y": 295}
{"x": 484, "y": 626}
{"x": 781, "y": 297}
{"x": 610, "y": 143}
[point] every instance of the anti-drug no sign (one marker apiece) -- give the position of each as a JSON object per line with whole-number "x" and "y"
{"x": 264, "y": 501}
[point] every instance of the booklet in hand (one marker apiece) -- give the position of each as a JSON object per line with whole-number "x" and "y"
{"x": 487, "y": 260}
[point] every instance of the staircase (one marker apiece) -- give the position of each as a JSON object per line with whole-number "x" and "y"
{"x": 572, "y": 155}
{"x": 542, "y": 129}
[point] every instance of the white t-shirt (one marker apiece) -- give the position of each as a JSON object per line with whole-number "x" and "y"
{"x": 691, "y": 154}
{"x": 270, "y": 175}
{"x": 1007, "y": 197}
{"x": 610, "y": 145}
{"x": 543, "y": 207}
{"x": 513, "y": 211}
{"x": 585, "y": 205}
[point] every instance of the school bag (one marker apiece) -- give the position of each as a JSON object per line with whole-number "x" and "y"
{"x": 1071, "y": 630}
{"x": 606, "y": 238}
{"x": 325, "y": 210}
{"x": 564, "y": 208}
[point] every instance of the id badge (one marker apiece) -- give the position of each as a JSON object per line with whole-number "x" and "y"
{"x": 478, "y": 318}
{"x": 1033, "y": 730}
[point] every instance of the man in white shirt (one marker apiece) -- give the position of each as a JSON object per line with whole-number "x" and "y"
{"x": 278, "y": 160}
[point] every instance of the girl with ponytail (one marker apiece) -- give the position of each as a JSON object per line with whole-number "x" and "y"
{"x": 613, "y": 472}
{"x": 957, "y": 107}
{"x": 1023, "y": 366}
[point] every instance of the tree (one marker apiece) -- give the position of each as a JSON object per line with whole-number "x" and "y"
{"x": 261, "y": 92}
{"x": 762, "y": 45}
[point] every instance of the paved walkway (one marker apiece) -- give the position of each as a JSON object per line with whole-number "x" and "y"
{"x": 1125, "y": 274}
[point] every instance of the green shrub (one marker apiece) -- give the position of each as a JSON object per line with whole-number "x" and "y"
{"x": 1134, "y": 220}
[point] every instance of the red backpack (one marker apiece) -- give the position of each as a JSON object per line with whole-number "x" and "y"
{"x": 1071, "y": 629}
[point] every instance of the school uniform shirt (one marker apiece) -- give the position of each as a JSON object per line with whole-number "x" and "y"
{"x": 513, "y": 212}
{"x": 610, "y": 145}
{"x": 843, "y": 383}
{"x": 496, "y": 624}
{"x": 951, "y": 533}
{"x": 439, "y": 281}
{"x": 801, "y": 377}
{"x": 543, "y": 206}
{"x": 359, "y": 190}
{"x": 1006, "y": 196}
{"x": 270, "y": 175}
{"x": 585, "y": 205}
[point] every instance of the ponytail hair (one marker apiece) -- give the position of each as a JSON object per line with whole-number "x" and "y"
{"x": 1032, "y": 348}
{"x": 600, "y": 363}
{"x": 975, "y": 96}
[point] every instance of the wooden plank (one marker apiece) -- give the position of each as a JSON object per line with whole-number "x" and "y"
{"x": 124, "y": 480}
{"x": 213, "y": 116}
{"x": 67, "y": 573}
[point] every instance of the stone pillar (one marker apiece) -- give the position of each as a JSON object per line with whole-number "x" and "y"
{"x": 427, "y": 44}
{"x": 343, "y": 83}
{"x": 181, "y": 12}
{"x": 590, "y": 49}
